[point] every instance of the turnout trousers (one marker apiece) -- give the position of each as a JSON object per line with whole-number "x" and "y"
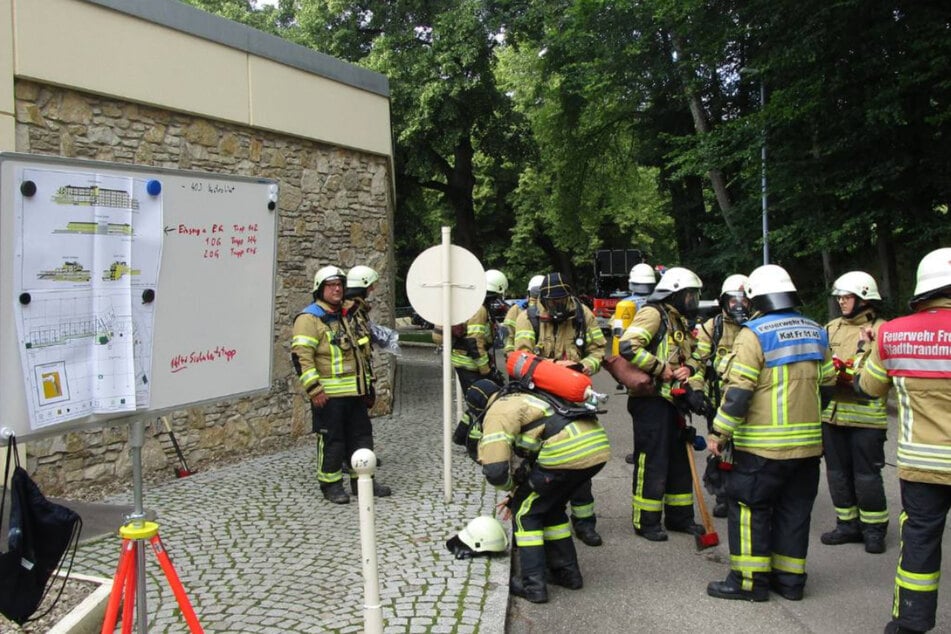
{"x": 924, "y": 512}
{"x": 539, "y": 520}
{"x": 342, "y": 426}
{"x": 854, "y": 458}
{"x": 582, "y": 505}
{"x": 662, "y": 480}
{"x": 769, "y": 506}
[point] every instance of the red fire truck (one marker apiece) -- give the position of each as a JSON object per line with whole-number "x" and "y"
{"x": 611, "y": 270}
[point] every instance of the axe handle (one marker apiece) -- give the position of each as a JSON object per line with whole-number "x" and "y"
{"x": 698, "y": 493}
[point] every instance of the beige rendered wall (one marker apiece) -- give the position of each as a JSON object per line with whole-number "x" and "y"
{"x": 82, "y": 45}
{"x": 7, "y": 119}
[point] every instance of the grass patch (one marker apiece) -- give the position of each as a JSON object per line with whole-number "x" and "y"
{"x": 423, "y": 336}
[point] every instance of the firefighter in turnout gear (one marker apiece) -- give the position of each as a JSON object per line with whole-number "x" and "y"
{"x": 333, "y": 365}
{"x": 561, "y": 328}
{"x": 563, "y": 446}
{"x": 511, "y": 317}
{"x": 853, "y": 433}
{"x": 777, "y": 380}
{"x": 913, "y": 353}
{"x": 660, "y": 343}
{"x": 473, "y": 346}
{"x": 714, "y": 341}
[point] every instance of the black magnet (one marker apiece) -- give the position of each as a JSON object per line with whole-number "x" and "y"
{"x": 25, "y": 298}
{"x": 27, "y": 188}
{"x": 148, "y": 295}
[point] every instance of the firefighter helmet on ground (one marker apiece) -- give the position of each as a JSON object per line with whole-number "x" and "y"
{"x": 496, "y": 282}
{"x": 733, "y": 300}
{"x": 328, "y": 273}
{"x": 642, "y": 279}
{"x": 770, "y": 289}
{"x": 484, "y": 534}
{"x": 934, "y": 275}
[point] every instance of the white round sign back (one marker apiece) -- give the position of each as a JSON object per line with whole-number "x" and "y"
{"x": 426, "y": 282}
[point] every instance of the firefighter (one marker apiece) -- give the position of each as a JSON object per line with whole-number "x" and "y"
{"x": 564, "y": 446}
{"x": 659, "y": 342}
{"x": 777, "y": 380}
{"x": 332, "y": 363}
{"x": 562, "y": 328}
{"x": 853, "y": 433}
{"x": 473, "y": 346}
{"x": 714, "y": 341}
{"x": 641, "y": 283}
{"x": 913, "y": 353}
{"x": 511, "y": 317}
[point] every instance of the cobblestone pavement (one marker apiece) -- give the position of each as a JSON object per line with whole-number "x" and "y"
{"x": 259, "y": 550}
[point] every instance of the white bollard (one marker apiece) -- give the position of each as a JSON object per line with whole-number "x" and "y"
{"x": 363, "y": 462}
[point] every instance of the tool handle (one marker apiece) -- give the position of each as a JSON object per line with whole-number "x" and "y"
{"x": 698, "y": 492}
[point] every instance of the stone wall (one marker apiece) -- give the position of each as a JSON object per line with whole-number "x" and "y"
{"x": 335, "y": 208}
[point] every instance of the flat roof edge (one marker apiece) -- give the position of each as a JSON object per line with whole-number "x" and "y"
{"x": 187, "y": 19}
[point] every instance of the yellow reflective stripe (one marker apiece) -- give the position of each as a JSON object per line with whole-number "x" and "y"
{"x": 748, "y": 564}
{"x": 499, "y": 436}
{"x": 309, "y": 377}
{"x": 873, "y": 517}
{"x": 362, "y": 341}
{"x": 323, "y": 476}
{"x": 525, "y": 507}
{"x": 341, "y": 385}
{"x": 529, "y": 538}
{"x": 746, "y": 371}
{"x": 641, "y": 333}
{"x": 847, "y": 514}
{"x": 746, "y": 547}
{"x": 477, "y": 329}
{"x": 573, "y": 448}
{"x": 779, "y": 401}
{"x": 532, "y": 445}
{"x": 559, "y": 531}
{"x": 525, "y": 334}
{"x": 725, "y": 422}
{"x": 643, "y": 359}
{"x": 871, "y": 414}
{"x": 827, "y": 370}
{"x": 464, "y": 361}
{"x": 678, "y": 499}
{"x": 785, "y": 563}
{"x": 703, "y": 348}
{"x": 917, "y": 581}
{"x": 876, "y": 371}
{"x": 778, "y": 436}
{"x": 582, "y": 511}
{"x": 304, "y": 340}
{"x": 645, "y": 504}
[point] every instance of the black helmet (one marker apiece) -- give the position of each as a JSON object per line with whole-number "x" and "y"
{"x": 555, "y": 296}
{"x": 478, "y": 396}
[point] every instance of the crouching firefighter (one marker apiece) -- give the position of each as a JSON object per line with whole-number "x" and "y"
{"x": 562, "y": 445}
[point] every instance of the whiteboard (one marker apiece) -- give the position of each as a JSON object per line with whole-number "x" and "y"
{"x": 128, "y": 290}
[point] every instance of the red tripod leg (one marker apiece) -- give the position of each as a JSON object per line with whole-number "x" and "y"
{"x": 126, "y": 556}
{"x": 130, "y": 585}
{"x": 166, "y": 563}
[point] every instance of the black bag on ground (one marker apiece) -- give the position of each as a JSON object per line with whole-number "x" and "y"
{"x": 39, "y": 535}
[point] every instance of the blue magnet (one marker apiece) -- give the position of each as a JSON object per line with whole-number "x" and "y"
{"x": 153, "y": 187}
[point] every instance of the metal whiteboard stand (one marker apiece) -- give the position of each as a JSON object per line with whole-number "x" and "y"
{"x": 129, "y": 582}
{"x": 445, "y": 284}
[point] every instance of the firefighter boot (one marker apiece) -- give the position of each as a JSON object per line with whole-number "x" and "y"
{"x": 461, "y": 433}
{"x": 379, "y": 490}
{"x": 729, "y": 590}
{"x": 874, "y": 538}
{"x": 563, "y": 564}
{"x": 848, "y": 532}
{"x": 334, "y": 492}
{"x": 530, "y": 587}
{"x": 584, "y": 530}
{"x": 720, "y": 508}
{"x": 689, "y": 527}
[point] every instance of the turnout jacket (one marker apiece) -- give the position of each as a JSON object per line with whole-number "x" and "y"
{"x": 528, "y": 424}
{"x": 510, "y": 321}
{"x": 848, "y": 408}
{"x": 328, "y": 353}
{"x": 470, "y": 350}
{"x": 707, "y": 350}
{"x": 913, "y": 353}
{"x": 637, "y": 344}
{"x": 771, "y": 402}
{"x": 560, "y": 340}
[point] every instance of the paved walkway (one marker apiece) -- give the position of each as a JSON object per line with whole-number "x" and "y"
{"x": 259, "y": 550}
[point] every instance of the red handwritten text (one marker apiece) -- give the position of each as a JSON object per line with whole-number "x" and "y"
{"x": 218, "y": 353}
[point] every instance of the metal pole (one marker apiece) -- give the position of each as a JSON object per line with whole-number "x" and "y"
{"x": 137, "y": 440}
{"x": 363, "y": 462}
{"x": 762, "y": 105}
{"x": 446, "y": 365}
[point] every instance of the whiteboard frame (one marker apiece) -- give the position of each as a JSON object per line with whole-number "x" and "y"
{"x": 14, "y": 399}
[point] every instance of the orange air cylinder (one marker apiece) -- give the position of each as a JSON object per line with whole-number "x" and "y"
{"x": 544, "y": 374}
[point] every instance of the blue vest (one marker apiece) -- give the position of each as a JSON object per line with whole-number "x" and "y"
{"x": 320, "y": 313}
{"x": 522, "y": 303}
{"x": 788, "y": 337}
{"x": 639, "y": 300}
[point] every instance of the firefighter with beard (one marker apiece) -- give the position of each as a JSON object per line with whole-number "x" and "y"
{"x": 714, "y": 341}
{"x": 332, "y": 364}
{"x": 660, "y": 343}
{"x": 853, "y": 430}
{"x": 777, "y": 380}
{"x": 563, "y": 446}
{"x": 561, "y": 328}
{"x": 913, "y": 353}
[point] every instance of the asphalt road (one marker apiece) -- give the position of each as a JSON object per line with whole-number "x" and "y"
{"x": 635, "y": 585}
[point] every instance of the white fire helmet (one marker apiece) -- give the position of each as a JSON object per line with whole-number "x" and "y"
{"x": 361, "y": 276}
{"x": 857, "y": 283}
{"x": 327, "y": 273}
{"x": 484, "y": 534}
{"x": 496, "y": 282}
{"x": 770, "y": 288}
{"x": 642, "y": 279}
{"x": 535, "y": 285}
{"x": 934, "y": 274}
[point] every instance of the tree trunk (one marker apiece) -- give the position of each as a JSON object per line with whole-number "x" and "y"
{"x": 828, "y": 275}
{"x": 459, "y": 196}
